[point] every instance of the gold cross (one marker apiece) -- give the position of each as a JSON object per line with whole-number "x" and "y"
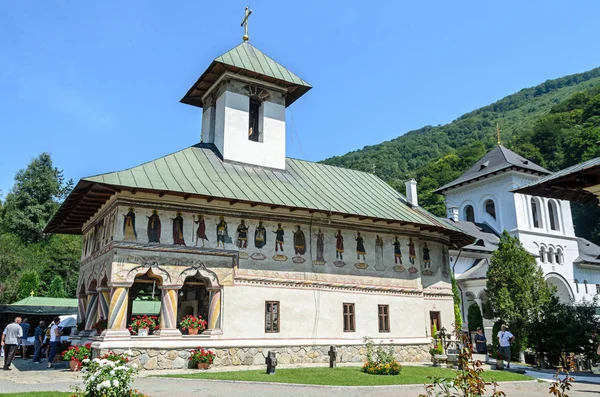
{"x": 498, "y": 133}
{"x": 245, "y": 24}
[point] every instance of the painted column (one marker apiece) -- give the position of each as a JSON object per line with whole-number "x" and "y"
{"x": 214, "y": 311}
{"x": 168, "y": 310}
{"x": 117, "y": 312}
{"x": 91, "y": 310}
{"x": 81, "y": 306}
{"x": 103, "y": 302}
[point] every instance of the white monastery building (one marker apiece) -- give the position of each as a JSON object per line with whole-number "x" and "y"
{"x": 276, "y": 253}
{"x": 482, "y": 203}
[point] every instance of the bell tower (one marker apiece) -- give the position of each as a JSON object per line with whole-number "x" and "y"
{"x": 243, "y": 94}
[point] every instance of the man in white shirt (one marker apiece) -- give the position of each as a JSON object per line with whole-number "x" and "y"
{"x": 10, "y": 340}
{"x": 55, "y": 333}
{"x": 505, "y": 338}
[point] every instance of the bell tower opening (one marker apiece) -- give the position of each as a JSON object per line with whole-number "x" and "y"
{"x": 254, "y": 121}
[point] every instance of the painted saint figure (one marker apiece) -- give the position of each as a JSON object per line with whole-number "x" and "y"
{"x": 299, "y": 242}
{"x": 378, "y": 252}
{"x": 397, "y": 250}
{"x": 260, "y": 236}
{"x": 279, "y": 237}
{"x": 412, "y": 254}
{"x": 222, "y": 234}
{"x": 178, "y": 230}
{"x": 201, "y": 230}
{"x": 360, "y": 246}
{"x": 153, "y": 228}
{"x": 339, "y": 245}
{"x": 320, "y": 246}
{"x": 426, "y": 257}
{"x": 242, "y": 235}
{"x": 129, "y": 232}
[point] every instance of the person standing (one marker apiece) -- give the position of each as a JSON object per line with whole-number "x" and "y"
{"x": 54, "y": 340}
{"x": 23, "y": 342}
{"x": 505, "y": 338}
{"x": 38, "y": 339}
{"x": 10, "y": 340}
{"x": 480, "y": 342}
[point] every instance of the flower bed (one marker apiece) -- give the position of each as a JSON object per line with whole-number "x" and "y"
{"x": 77, "y": 354}
{"x": 108, "y": 376}
{"x": 380, "y": 360}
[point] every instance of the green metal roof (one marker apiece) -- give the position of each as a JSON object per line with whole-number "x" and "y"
{"x": 248, "y": 57}
{"x": 69, "y": 306}
{"x": 200, "y": 170}
{"x": 43, "y": 301}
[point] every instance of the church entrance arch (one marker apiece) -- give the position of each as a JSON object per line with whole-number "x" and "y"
{"x": 193, "y": 298}
{"x": 144, "y": 295}
{"x": 563, "y": 290}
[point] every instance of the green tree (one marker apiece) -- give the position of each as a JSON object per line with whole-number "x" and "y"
{"x": 28, "y": 283}
{"x": 56, "y": 289}
{"x": 456, "y": 297}
{"x": 516, "y": 287}
{"x": 34, "y": 199}
{"x": 474, "y": 317}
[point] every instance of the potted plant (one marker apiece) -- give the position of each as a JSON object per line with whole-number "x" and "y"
{"x": 193, "y": 324}
{"x": 76, "y": 354}
{"x": 143, "y": 325}
{"x": 101, "y": 325}
{"x": 203, "y": 358}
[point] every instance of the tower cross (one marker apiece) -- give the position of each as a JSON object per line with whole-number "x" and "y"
{"x": 245, "y": 24}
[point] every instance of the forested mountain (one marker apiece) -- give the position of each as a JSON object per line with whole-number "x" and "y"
{"x": 555, "y": 124}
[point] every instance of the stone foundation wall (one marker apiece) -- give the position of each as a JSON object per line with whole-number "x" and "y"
{"x": 153, "y": 359}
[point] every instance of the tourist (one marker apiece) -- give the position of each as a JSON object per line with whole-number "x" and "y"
{"x": 10, "y": 341}
{"x": 480, "y": 342}
{"x": 505, "y": 338}
{"x": 54, "y": 340}
{"x": 23, "y": 342}
{"x": 38, "y": 341}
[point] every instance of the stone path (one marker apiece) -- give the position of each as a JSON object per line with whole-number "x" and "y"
{"x": 27, "y": 377}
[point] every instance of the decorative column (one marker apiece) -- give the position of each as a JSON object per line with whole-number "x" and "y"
{"x": 168, "y": 311}
{"x": 103, "y": 302}
{"x": 214, "y": 312}
{"x": 91, "y": 311}
{"x": 81, "y": 306}
{"x": 117, "y": 312}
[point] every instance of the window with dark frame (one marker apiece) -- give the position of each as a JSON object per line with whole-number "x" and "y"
{"x": 384, "y": 318}
{"x": 349, "y": 321}
{"x": 253, "y": 133}
{"x": 490, "y": 208}
{"x": 271, "y": 316}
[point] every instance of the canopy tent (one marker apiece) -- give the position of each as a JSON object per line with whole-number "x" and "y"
{"x": 42, "y": 306}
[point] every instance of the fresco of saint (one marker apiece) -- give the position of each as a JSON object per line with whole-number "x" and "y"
{"x": 242, "y": 235}
{"x": 178, "y": 230}
{"x": 129, "y": 232}
{"x": 222, "y": 234}
{"x": 260, "y": 236}
{"x": 154, "y": 227}
{"x": 412, "y": 254}
{"x": 397, "y": 250}
{"x": 426, "y": 257}
{"x": 339, "y": 245}
{"x": 320, "y": 246}
{"x": 279, "y": 233}
{"x": 360, "y": 246}
{"x": 378, "y": 252}
{"x": 299, "y": 242}
{"x": 201, "y": 230}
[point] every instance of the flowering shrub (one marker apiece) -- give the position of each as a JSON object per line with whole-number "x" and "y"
{"x": 77, "y": 353}
{"x": 199, "y": 355}
{"x": 108, "y": 376}
{"x": 144, "y": 321}
{"x": 380, "y": 360}
{"x": 190, "y": 321}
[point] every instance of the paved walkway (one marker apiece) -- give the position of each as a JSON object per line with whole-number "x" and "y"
{"x": 27, "y": 376}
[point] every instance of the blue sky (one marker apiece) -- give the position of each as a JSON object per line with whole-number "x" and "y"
{"x": 98, "y": 84}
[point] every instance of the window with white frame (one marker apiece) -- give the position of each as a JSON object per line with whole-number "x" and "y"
{"x": 553, "y": 215}
{"x": 535, "y": 212}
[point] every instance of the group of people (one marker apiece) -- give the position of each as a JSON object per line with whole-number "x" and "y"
{"x": 505, "y": 338}
{"x": 15, "y": 335}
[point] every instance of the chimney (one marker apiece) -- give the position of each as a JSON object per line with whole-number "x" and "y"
{"x": 411, "y": 193}
{"x": 452, "y": 213}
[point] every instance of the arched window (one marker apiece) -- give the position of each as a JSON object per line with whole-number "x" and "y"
{"x": 535, "y": 213}
{"x": 469, "y": 213}
{"x": 559, "y": 256}
{"x": 576, "y": 285}
{"x": 585, "y": 284}
{"x": 597, "y": 289}
{"x": 542, "y": 254}
{"x": 551, "y": 255}
{"x": 490, "y": 208}
{"x": 553, "y": 215}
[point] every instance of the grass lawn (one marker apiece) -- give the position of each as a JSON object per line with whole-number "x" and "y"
{"x": 345, "y": 376}
{"x": 39, "y": 394}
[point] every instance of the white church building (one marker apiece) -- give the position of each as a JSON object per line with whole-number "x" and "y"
{"x": 482, "y": 203}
